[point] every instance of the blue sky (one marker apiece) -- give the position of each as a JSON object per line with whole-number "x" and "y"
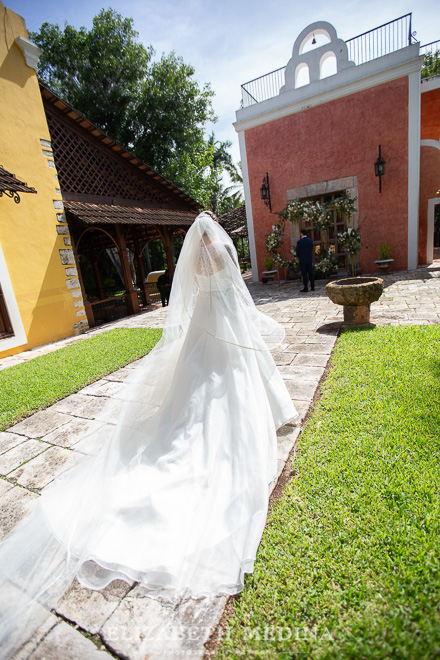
{"x": 232, "y": 41}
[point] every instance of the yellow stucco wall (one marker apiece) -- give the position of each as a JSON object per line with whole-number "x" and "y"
{"x": 45, "y": 292}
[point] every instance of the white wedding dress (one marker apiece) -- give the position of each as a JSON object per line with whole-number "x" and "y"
{"x": 176, "y": 498}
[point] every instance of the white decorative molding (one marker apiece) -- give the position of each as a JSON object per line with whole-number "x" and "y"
{"x": 248, "y": 203}
{"x": 19, "y": 338}
{"x": 31, "y": 52}
{"x": 430, "y": 83}
{"x": 413, "y": 168}
{"x": 349, "y": 81}
{"x": 314, "y": 59}
{"x": 430, "y": 143}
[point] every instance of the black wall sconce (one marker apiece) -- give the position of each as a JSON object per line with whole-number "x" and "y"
{"x": 379, "y": 168}
{"x": 265, "y": 192}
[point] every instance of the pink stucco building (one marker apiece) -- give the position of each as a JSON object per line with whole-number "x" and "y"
{"x": 315, "y": 128}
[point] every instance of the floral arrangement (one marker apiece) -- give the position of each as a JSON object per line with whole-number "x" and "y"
{"x": 275, "y": 242}
{"x": 327, "y": 265}
{"x": 323, "y": 218}
{"x": 309, "y": 212}
{"x": 350, "y": 239}
{"x": 345, "y": 205}
{"x": 292, "y": 211}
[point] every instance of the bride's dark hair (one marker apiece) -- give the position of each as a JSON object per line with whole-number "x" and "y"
{"x": 212, "y": 215}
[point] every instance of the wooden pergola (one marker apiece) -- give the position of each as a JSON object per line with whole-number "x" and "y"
{"x": 235, "y": 224}
{"x": 97, "y": 227}
{"x": 112, "y": 200}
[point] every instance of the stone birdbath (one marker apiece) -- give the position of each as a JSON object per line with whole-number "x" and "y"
{"x": 356, "y": 295}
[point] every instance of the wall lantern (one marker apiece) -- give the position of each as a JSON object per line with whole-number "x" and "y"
{"x": 379, "y": 168}
{"x": 265, "y": 192}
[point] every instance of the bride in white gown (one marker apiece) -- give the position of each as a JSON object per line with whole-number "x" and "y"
{"x": 176, "y": 497}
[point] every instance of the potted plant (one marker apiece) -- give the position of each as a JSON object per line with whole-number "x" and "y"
{"x": 270, "y": 272}
{"x": 384, "y": 261}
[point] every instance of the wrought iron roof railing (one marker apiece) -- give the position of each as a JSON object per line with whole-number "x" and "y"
{"x": 431, "y": 48}
{"x": 382, "y": 40}
{"x": 367, "y": 46}
{"x": 262, "y": 88}
{"x": 431, "y": 52}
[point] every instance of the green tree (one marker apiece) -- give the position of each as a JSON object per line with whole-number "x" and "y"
{"x": 171, "y": 113}
{"x": 191, "y": 170}
{"x": 100, "y": 72}
{"x": 223, "y": 199}
{"x": 156, "y": 109}
{"x": 431, "y": 65}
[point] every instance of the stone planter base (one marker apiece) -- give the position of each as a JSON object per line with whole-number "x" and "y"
{"x": 355, "y": 294}
{"x": 356, "y": 314}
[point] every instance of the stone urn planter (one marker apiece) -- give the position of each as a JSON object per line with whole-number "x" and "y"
{"x": 356, "y": 295}
{"x": 384, "y": 264}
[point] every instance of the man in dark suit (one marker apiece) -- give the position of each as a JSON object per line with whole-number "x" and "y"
{"x": 304, "y": 252}
{"x": 164, "y": 286}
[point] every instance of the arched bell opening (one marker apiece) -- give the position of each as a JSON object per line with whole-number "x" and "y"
{"x": 328, "y": 65}
{"x": 302, "y": 75}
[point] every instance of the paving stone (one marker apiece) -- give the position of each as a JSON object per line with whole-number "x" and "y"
{"x": 65, "y": 643}
{"x": 142, "y": 627}
{"x": 311, "y": 359}
{"x": 11, "y": 360}
{"x": 283, "y": 358}
{"x": 25, "y": 651}
{"x": 40, "y": 423}
{"x": 69, "y": 434}
{"x": 119, "y": 375}
{"x": 323, "y": 348}
{"x": 24, "y": 452}
{"x": 300, "y": 372}
{"x": 40, "y": 622}
{"x": 40, "y": 471}
{"x": 90, "y": 446}
{"x": 16, "y": 503}
{"x": 81, "y": 405}
{"x": 9, "y": 440}
{"x": 4, "y": 486}
{"x": 303, "y": 390}
{"x": 321, "y": 338}
{"x": 286, "y": 438}
{"x": 302, "y": 406}
{"x": 91, "y": 609}
{"x": 103, "y": 387}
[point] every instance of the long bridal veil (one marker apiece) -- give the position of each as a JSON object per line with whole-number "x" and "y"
{"x": 174, "y": 493}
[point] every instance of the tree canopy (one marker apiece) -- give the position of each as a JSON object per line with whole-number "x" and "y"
{"x": 431, "y": 65}
{"x": 155, "y": 108}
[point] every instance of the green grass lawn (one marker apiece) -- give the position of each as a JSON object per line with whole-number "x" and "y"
{"x": 349, "y": 563}
{"x": 38, "y": 383}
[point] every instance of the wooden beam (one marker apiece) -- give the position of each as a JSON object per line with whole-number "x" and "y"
{"x": 132, "y": 298}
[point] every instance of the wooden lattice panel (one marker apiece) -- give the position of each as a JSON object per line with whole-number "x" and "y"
{"x": 86, "y": 168}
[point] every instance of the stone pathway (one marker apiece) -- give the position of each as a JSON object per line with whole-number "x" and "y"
{"x": 35, "y": 451}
